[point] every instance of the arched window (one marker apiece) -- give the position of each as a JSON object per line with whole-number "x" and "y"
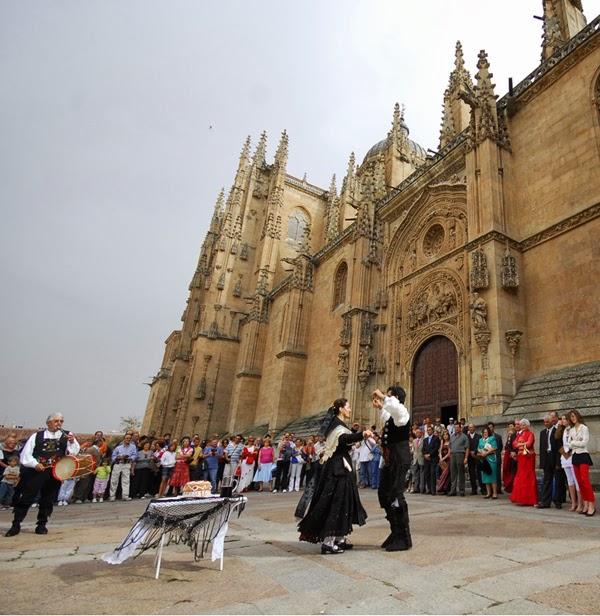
{"x": 297, "y": 225}
{"x": 339, "y": 284}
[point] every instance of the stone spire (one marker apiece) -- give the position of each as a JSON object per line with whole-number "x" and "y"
{"x": 563, "y": 19}
{"x": 379, "y": 184}
{"x": 552, "y": 37}
{"x": 347, "y": 183}
{"x": 487, "y": 116}
{"x": 282, "y": 150}
{"x": 245, "y": 154}
{"x": 456, "y": 114}
{"x": 333, "y": 213}
{"x": 261, "y": 151}
{"x": 217, "y": 216}
{"x": 399, "y": 132}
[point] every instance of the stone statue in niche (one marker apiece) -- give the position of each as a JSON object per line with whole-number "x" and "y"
{"x": 478, "y": 308}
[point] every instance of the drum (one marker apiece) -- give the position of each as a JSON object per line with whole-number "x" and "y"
{"x": 71, "y": 467}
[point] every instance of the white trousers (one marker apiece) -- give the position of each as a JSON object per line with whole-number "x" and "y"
{"x": 571, "y": 479}
{"x": 122, "y": 471}
{"x": 295, "y": 471}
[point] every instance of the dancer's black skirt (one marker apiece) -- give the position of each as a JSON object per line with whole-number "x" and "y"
{"x": 335, "y": 505}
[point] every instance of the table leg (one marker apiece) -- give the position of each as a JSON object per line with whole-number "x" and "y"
{"x": 221, "y": 563}
{"x": 159, "y": 556}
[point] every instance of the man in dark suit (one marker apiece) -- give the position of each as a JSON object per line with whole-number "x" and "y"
{"x": 474, "y": 474}
{"x": 553, "y": 487}
{"x": 492, "y": 429}
{"x": 431, "y": 453}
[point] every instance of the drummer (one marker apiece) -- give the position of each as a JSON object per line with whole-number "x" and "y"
{"x": 40, "y": 452}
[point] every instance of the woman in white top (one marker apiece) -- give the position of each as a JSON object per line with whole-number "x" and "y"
{"x": 562, "y": 435}
{"x": 579, "y": 436}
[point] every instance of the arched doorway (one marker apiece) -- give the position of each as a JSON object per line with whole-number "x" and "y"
{"x": 435, "y": 381}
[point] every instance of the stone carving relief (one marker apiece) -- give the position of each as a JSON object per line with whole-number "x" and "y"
{"x": 343, "y": 367}
{"x": 244, "y": 252}
{"x": 509, "y": 275}
{"x": 478, "y": 307}
{"x": 364, "y": 367}
{"x": 237, "y": 289}
{"x": 201, "y": 390}
{"x": 221, "y": 282}
{"x": 513, "y": 338}
{"x": 433, "y": 240}
{"x": 366, "y": 329}
{"x": 437, "y": 302}
{"x": 346, "y": 333}
{"x": 480, "y": 276}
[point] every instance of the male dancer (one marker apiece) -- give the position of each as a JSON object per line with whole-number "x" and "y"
{"x": 37, "y": 456}
{"x": 397, "y": 460}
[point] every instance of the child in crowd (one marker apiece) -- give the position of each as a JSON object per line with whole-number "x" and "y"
{"x": 66, "y": 491}
{"x": 101, "y": 481}
{"x": 9, "y": 481}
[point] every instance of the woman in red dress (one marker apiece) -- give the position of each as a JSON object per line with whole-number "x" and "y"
{"x": 509, "y": 463}
{"x": 181, "y": 474}
{"x": 525, "y": 484}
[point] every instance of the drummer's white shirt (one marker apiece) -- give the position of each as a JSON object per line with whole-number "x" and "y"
{"x": 27, "y": 458}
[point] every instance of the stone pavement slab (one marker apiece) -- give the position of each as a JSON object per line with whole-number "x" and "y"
{"x": 468, "y": 556}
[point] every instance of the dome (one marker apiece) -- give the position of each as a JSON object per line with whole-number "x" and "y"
{"x": 383, "y": 145}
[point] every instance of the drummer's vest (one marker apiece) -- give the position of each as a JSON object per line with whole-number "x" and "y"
{"x": 47, "y": 450}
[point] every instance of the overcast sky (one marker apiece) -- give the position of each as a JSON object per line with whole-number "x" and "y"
{"x": 120, "y": 121}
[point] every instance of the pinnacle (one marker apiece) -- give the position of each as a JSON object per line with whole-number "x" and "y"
{"x": 261, "y": 150}
{"x": 282, "y": 148}
{"x": 459, "y": 60}
{"x": 332, "y": 187}
{"x": 220, "y": 199}
{"x": 246, "y": 148}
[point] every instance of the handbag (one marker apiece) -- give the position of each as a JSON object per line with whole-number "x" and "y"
{"x": 486, "y": 467}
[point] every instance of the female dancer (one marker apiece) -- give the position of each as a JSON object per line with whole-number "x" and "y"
{"x": 525, "y": 485}
{"x": 335, "y": 506}
{"x": 579, "y": 437}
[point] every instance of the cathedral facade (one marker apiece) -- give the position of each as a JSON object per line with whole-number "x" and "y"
{"x": 469, "y": 276}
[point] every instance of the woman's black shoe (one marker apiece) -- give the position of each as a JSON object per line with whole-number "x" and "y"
{"x": 327, "y": 549}
{"x": 344, "y": 545}
{"x": 41, "y": 529}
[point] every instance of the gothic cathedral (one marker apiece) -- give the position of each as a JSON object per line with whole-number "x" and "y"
{"x": 469, "y": 276}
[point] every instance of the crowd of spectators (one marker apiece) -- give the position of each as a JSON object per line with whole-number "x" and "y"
{"x": 452, "y": 460}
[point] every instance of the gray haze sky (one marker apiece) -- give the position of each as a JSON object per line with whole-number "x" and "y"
{"x": 109, "y": 169}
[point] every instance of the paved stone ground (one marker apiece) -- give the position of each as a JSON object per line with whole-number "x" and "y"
{"x": 470, "y": 556}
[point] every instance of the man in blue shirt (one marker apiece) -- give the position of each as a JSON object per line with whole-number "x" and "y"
{"x": 212, "y": 455}
{"x": 123, "y": 458}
